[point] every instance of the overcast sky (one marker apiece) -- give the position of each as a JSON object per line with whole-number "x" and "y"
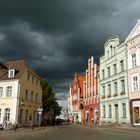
{"x": 58, "y": 36}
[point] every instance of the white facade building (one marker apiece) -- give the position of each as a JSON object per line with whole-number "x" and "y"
{"x": 8, "y": 106}
{"x": 113, "y": 83}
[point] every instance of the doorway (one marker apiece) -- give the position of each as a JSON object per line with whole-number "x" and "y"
{"x": 116, "y": 113}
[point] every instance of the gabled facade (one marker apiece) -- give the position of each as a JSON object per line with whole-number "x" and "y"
{"x": 91, "y": 97}
{"x": 133, "y": 48}
{"x": 114, "y": 102}
{"x": 76, "y": 91}
{"x": 20, "y": 94}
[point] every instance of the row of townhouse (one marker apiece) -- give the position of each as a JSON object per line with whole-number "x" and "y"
{"x": 111, "y": 91}
{"x": 84, "y": 100}
{"x": 20, "y": 94}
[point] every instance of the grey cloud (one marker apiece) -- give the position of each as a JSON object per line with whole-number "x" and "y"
{"x": 58, "y": 37}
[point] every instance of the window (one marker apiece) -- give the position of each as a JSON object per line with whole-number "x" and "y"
{"x": 36, "y": 81}
{"x": 108, "y": 54}
{"x": 134, "y": 60}
{"x": 115, "y": 68}
{"x": 11, "y": 73}
{"x": 108, "y": 69}
{"x": 32, "y": 80}
{"x": 32, "y": 96}
{"x": 36, "y": 97}
{"x": 124, "y": 110}
{"x": 21, "y": 113}
{"x": 114, "y": 50}
{"x": 28, "y": 77}
{"x": 103, "y": 74}
{"x": 111, "y": 50}
{"x": 103, "y": 90}
{"x": 115, "y": 88}
{"x": 26, "y": 94}
{"x": 26, "y": 119}
{"x": 1, "y": 91}
{"x": 34, "y": 116}
{"x": 110, "y": 111}
{"x": 104, "y": 112}
{"x": 122, "y": 65}
{"x": 9, "y": 91}
{"x": 109, "y": 89}
{"x": 135, "y": 83}
{"x": 122, "y": 85}
{"x": 7, "y": 114}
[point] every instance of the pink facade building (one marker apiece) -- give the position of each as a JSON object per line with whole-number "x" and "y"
{"x": 133, "y": 46}
{"x": 91, "y": 98}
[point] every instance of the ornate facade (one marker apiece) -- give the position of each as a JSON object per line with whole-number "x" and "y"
{"x": 91, "y": 97}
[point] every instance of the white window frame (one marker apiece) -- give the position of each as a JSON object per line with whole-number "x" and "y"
{"x": 123, "y": 85}
{"x": 115, "y": 87}
{"x": 7, "y": 114}
{"x": 109, "y": 71}
{"x": 115, "y": 68}
{"x": 109, "y": 89}
{"x": 136, "y": 84}
{"x": 134, "y": 60}
{"x": 122, "y": 65}
{"x": 9, "y": 91}
{"x": 103, "y": 87}
{"x": 110, "y": 111}
{"x": 11, "y": 73}
{"x": 104, "y": 111}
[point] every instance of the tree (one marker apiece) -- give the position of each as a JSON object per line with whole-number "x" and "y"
{"x": 50, "y": 106}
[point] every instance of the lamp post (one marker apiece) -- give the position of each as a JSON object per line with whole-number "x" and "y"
{"x": 40, "y": 114}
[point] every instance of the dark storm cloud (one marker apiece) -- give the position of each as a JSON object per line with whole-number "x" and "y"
{"x": 58, "y": 36}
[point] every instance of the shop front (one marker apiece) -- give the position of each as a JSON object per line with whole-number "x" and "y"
{"x": 136, "y": 112}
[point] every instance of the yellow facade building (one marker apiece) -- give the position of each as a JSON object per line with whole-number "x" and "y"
{"x": 20, "y": 94}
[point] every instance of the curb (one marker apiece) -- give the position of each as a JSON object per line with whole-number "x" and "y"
{"x": 116, "y": 129}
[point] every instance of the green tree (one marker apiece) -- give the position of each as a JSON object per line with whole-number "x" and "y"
{"x": 50, "y": 106}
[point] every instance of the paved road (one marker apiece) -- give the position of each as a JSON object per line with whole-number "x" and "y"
{"x": 69, "y": 132}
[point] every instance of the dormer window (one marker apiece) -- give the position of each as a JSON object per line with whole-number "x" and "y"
{"x": 11, "y": 73}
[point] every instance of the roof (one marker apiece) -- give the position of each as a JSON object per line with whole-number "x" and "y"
{"x": 20, "y": 67}
{"x": 135, "y": 31}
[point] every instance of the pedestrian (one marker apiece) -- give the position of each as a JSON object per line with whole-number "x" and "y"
{"x": 95, "y": 118}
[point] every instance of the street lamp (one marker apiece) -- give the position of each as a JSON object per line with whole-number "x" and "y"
{"x": 40, "y": 114}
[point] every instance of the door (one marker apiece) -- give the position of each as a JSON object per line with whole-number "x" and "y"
{"x": 136, "y": 114}
{"x": 116, "y": 113}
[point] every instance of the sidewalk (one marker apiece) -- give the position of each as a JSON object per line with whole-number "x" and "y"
{"x": 23, "y": 129}
{"x": 116, "y": 128}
